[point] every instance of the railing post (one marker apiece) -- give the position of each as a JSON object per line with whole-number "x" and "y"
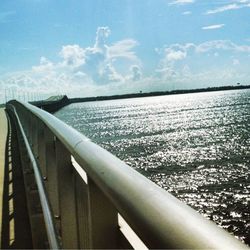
{"x": 104, "y": 219}
{"x": 50, "y": 177}
{"x": 83, "y": 214}
{"x": 29, "y": 129}
{"x": 41, "y": 140}
{"x": 67, "y": 202}
{"x": 35, "y": 141}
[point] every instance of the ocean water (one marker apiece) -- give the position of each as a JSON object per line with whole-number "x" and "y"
{"x": 196, "y": 146}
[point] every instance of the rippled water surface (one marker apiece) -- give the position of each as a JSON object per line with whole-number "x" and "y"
{"x": 196, "y": 146}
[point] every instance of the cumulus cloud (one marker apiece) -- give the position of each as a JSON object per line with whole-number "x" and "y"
{"x": 99, "y": 62}
{"x": 109, "y": 74}
{"x": 104, "y": 68}
{"x": 136, "y": 73}
{"x": 174, "y": 52}
{"x": 212, "y": 27}
{"x": 175, "y": 55}
{"x": 176, "y": 69}
{"x": 73, "y": 55}
{"x": 178, "y": 52}
{"x": 166, "y": 73}
{"x": 102, "y": 34}
{"x": 45, "y": 66}
{"x": 95, "y": 64}
{"x": 226, "y": 45}
{"x": 123, "y": 49}
{"x": 81, "y": 70}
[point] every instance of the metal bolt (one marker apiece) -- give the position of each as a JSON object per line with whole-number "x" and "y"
{"x": 45, "y": 178}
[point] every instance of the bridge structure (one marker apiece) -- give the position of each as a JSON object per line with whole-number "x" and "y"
{"x": 60, "y": 190}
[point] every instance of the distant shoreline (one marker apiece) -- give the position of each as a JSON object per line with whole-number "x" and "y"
{"x": 157, "y": 93}
{"x": 57, "y": 102}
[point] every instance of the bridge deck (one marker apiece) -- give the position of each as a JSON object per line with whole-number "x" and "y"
{"x": 3, "y": 137}
{"x": 14, "y": 221}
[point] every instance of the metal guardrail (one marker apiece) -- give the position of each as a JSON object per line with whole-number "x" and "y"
{"x": 86, "y": 197}
{"x": 48, "y": 217}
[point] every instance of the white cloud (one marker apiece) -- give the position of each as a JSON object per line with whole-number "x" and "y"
{"x": 73, "y": 55}
{"x": 97, "y": 63}
{"x": 123, "y": 49}
{"x": 232, "y": 6}
{"x": 136, "y": 73}
{"x": 166, "y": 73}
{"x": 212, "y": 27}
{"x": 105, "y": 69}
{"x": 81, "y": 70}
{"x": 109, "y": 74}
{"x": 226, "y": 45}
{"x": 173, "y": 70}
{"x": 174, "y": 52}
{"x": 186, "y": 13}
{"x": 236, "y": 62}
{"x": 175, "y": 55}
{"x": 101, "y": 59}
{"x": 181, "y": 2}
{"x": 101, "y": 34}
{"x": 45, "y": 66}
{"x": 224, "y": 8}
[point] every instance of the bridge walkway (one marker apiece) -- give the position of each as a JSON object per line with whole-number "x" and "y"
{"x": 3, "y": 137}
{"x": 14, "y": 221}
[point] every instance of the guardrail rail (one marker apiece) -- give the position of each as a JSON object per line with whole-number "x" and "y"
{"x": 91, "y": 199}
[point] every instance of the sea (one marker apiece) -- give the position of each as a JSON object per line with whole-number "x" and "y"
{"x": 195, "y": 146}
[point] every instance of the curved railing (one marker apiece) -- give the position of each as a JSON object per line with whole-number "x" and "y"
{"x": 87, "y": 187}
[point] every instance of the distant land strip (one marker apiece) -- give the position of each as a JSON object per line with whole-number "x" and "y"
{"x": 61, "y": 101}
{"x": 54, "y": 103}
{"x": 157, "y": 93}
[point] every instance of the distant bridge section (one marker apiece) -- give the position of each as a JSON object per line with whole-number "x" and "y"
{"x": 53, "y": 103}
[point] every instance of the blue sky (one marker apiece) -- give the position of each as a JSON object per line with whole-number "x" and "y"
{"x": 104, "y": 47}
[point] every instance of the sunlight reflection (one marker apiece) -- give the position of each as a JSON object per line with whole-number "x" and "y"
{"x": 196, "y": 146}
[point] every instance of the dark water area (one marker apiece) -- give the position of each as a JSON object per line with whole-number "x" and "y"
{"x": 196, "y": 146}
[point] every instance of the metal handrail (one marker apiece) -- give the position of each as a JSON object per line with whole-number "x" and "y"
{"x": 157, "y": 217}
{"x": 51, "y": 232}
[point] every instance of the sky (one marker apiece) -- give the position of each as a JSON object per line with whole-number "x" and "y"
{"x": 105, "y": 47}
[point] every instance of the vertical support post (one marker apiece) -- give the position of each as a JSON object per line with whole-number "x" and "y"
{"x": 67, "y": 201}
{"x": 50, "y": 176}
{"x": 83, "y": 214}
{"x": 31, "y": 130}
{"x": 27, "y": 121}
{"x": 35, "y": 136}
{"x": 28, "y": 117}
{"x": 41, "y": 140}
{"x": 104, "y": 219}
